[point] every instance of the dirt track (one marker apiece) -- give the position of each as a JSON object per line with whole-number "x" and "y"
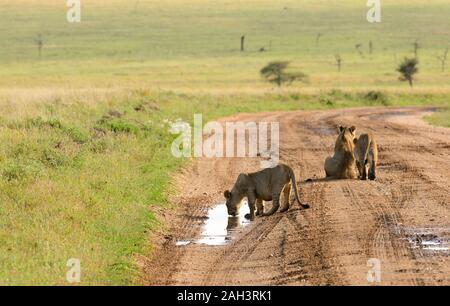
{"x": 349, "y": 221}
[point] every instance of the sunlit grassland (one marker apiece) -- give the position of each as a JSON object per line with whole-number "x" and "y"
{"x": 195, "y": 44}
{"x": 76, "y": 184}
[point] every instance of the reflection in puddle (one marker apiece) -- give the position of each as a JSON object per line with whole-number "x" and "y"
{"x": 182, "y": 242}
{"x": 219, "y": 227}
{"x": 429, "y": 239}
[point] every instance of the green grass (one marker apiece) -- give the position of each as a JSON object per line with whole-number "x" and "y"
{"x": 84, "y": 147}
{"x": 441, "y": 118}
{"x": 79, "y": 186}
{"x": 194, "y": 44}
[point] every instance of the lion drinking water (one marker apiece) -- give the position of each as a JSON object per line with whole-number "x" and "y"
{"x": 264, "y": 185}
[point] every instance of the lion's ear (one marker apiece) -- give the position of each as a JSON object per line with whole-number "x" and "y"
{"x": 227, "y": 194}
{"x": 341, "y": 128}
{"x": 352, "y": 129}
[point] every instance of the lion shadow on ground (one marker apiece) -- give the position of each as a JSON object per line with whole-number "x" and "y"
{"x": 322, "y": 179}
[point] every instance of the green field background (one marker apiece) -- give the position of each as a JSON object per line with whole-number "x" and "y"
{"x": 194, "y": 44}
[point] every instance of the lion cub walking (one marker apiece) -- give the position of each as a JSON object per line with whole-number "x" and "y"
{"x": 264, "y": 185}
{"x": 366, "y": 155}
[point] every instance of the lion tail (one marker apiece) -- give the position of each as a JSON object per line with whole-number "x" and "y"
{"x": 294, "y": 186}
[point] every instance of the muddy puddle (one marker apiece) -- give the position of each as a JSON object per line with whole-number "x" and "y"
{"x": 218, "y": 228}
{"x": 429, "y": 241}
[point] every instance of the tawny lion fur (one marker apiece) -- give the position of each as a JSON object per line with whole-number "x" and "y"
{"x": 342, "y": 164}
{"x": 264, "y": 185}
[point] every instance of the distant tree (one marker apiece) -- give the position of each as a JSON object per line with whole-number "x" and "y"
{"x": 242, "y": 42}
{"x": 39, "y": 44}
{"x": 358, "y": 48}
{"x": 416, "y": 46}
{"x": 408, "y": 68}
{"x": 443, "y": 59}
{"x": 275, "y": 72}
{"x": 370, "y": 47}
{"x": 136, "y": 5}
{"x": 338, "y": 61}
{"x": 319, "y": 35}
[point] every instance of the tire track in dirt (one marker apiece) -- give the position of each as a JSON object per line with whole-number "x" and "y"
{"x": 349, "y": 221}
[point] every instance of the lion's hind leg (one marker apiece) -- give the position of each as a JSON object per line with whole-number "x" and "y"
{"x": 286, "y": 194}
{"x": 329, "y": 167}
{"x": 259, "y": 207}
{"x": 275, "y": 204}
{"x": 372, "y": 165}
{"x": 372, "y": 171}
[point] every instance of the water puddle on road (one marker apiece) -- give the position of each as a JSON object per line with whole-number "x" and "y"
{"x": 218, "y": 228}
{"x": 432, "y": 241}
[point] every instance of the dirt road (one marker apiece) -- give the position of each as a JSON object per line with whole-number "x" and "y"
{"x": 401, "y": 219}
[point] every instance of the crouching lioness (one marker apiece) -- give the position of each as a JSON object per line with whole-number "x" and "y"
{"x": 264, "y": 185}
{"x": 366, "y": 154}
{"x": 342, "y": 164}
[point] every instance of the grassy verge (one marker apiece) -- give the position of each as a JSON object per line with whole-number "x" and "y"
{"x": 441, "y": 118}
{"x": 79, "y": 179}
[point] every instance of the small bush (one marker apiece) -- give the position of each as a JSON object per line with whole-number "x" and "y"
{"x": 326, "y": 100}
{"x": 98, "y": 146}
{"x": 295, "y": 97}
{"x": 14, "y": 172}
{"x": 40, "y": 123}
{"x": 54, "y": 123}
{"x": 53, "y": 158}
{"x": 376, "y": 97}
{"x": 340, "y": 95}
{"x": 120, "y": 126}
{"x": 76, "y": 135}
{"x": 22, "y": 150}
{"x": 19, "y": 170}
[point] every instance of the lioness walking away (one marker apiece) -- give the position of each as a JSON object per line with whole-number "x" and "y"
{"x": 264, "y": 185}
{"x": 342, "y": 164}
{"x": 366, "y": 154}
